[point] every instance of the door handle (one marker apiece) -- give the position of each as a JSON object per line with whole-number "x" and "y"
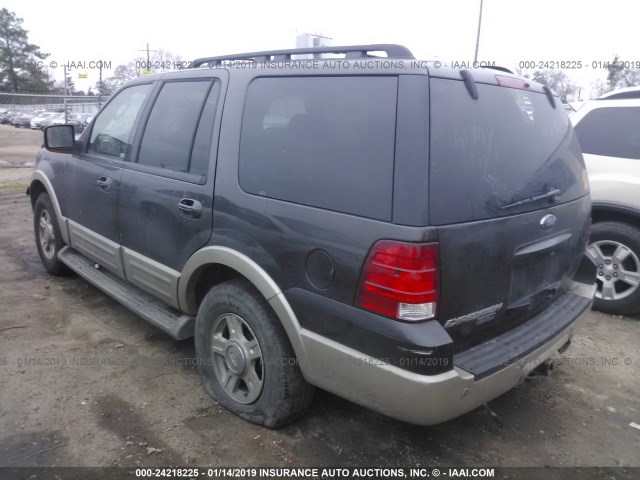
{"x": 190, "y": 208}
{"x": 105, "y": 183}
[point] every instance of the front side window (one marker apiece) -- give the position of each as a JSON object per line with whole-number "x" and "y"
{"x": 112, "y": 129}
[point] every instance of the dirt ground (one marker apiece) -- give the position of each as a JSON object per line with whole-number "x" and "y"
{"x": 84, "y": 382}
{"x": 18, "y": 149}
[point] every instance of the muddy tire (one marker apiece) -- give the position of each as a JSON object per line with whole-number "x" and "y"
{"x": 48, "y": 235}
{"x": 245, "y": 360}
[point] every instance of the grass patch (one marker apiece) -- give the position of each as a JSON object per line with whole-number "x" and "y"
{"x": 15, "y": 186}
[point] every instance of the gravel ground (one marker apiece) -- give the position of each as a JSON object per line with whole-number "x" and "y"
{"x": 18, "y": 149}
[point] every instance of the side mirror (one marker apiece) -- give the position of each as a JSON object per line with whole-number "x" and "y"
{"x": 59, "y": 138}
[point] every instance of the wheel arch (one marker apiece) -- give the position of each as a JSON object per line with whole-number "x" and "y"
{"x": 214, "y": 264}
{"x": 617, "y": 276}
{"x": 603, "y": 212}
{"x": 39, "y": 183}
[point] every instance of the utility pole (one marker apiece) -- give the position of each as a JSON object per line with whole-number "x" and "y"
{"x": 148, "y": 57}
{"x": 101, "y": 89}
{"x": 475, "y": 58}
{"x": 66, "y": 92}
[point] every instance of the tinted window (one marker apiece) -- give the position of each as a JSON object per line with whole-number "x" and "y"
{"x": 112, "y": 128}
{"x": 171, "y": 128}
{"x": 202, "y": 144}
{"x": 614, "y": 132}
{"x": 325, "y": 141}
{"x": 491, "y": 156}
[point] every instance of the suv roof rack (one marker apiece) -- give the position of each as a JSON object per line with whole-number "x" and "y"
{"x": 496, "y": 67}
{"x": 351, "y": 52}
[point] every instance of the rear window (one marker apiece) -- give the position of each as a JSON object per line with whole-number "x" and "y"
{"x": 489, "y": 156}
{"x": 325, "y": 142}
{"x": 613, "y": 132}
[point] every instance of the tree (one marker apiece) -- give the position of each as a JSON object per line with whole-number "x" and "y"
{"x": 103, "y": 88}
{"x": 558, "y": 81}
{"x": 620, "y": 75}
{"x": 21, "y": 63}
{"x": 121, "y": 75}
{"x": 160, "y": 61}
{"x": 163, "y": 61}
{"x": 601, "y": 88}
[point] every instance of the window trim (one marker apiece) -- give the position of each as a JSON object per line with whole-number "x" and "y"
{"x": 396, "y": 76}
{"x": 142, "y": 127}
{"x": 86, "y": 136}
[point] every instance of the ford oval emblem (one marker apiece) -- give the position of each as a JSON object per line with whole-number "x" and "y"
{"x": 548, "y": 222}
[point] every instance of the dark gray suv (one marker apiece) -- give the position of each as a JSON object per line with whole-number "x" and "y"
{"x": 409, "y": 237}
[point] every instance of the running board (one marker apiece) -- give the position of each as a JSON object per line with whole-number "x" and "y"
{"x": 155, "y": 312}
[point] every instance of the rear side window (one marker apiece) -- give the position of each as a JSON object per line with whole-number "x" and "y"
{"x": 613, "y": 132}
{"x": 171, "y": 129}
{"x": 326, "y": 142}
{"x": 492, "y": 156}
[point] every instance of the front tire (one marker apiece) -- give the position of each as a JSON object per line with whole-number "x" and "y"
{"x": 615, "y": 249}
{"x": 245, "y": 360}
{"x": 48, "y": 235}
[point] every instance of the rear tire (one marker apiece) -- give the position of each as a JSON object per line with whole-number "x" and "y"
{"x": 245, "y": 360}
{"x": 48, "y": 235}
{"x": 615, "y": 249}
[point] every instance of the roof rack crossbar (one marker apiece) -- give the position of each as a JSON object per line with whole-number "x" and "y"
{"x": 354, "y": 51}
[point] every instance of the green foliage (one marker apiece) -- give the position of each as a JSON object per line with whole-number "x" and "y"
{"x": 22, "y": 66}
{"x": 558, "y": 81}
{"x": 619, "y": 75}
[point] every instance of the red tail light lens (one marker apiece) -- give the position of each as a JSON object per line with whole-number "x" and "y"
{"x": 401, "y": 280}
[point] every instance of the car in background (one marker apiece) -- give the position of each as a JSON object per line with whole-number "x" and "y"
{"x": 23, "y": 120}
{"x": 55, "y": 119}
{"x": 75, "y": 119}
{"x": 79, "y": 121}
{"x": 608, "y": 130}
{"x": 85, "y": 117}
{"x": 7, "y": 116}
{"x": 35, "y": 123}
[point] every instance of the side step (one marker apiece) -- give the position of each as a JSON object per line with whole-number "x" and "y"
{"x": 155, "y": 312}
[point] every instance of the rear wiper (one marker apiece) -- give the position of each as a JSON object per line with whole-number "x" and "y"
{"x": 551, "y": 193}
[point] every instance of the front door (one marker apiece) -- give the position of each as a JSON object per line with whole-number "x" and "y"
{"x": 93, "y": 179}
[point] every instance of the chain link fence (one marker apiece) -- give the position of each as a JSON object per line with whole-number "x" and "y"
{"x": 17, "y": 102}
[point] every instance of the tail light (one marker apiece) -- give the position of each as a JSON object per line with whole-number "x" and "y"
{"x": 512, "y": 82}
{"x": 400, "y": 280}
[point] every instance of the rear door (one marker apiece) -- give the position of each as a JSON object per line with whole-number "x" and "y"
{"x": 166, "y": 197}
{"x": 509, "y": 194}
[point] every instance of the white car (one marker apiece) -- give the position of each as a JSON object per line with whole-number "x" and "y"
{"x": 35, "y": 122}
{"x": 608, "y": 130}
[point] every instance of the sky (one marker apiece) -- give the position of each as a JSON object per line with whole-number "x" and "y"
{"x": 513, "y": 31}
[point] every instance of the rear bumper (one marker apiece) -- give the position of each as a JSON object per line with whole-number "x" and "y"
{"x": 428, "y": 399}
